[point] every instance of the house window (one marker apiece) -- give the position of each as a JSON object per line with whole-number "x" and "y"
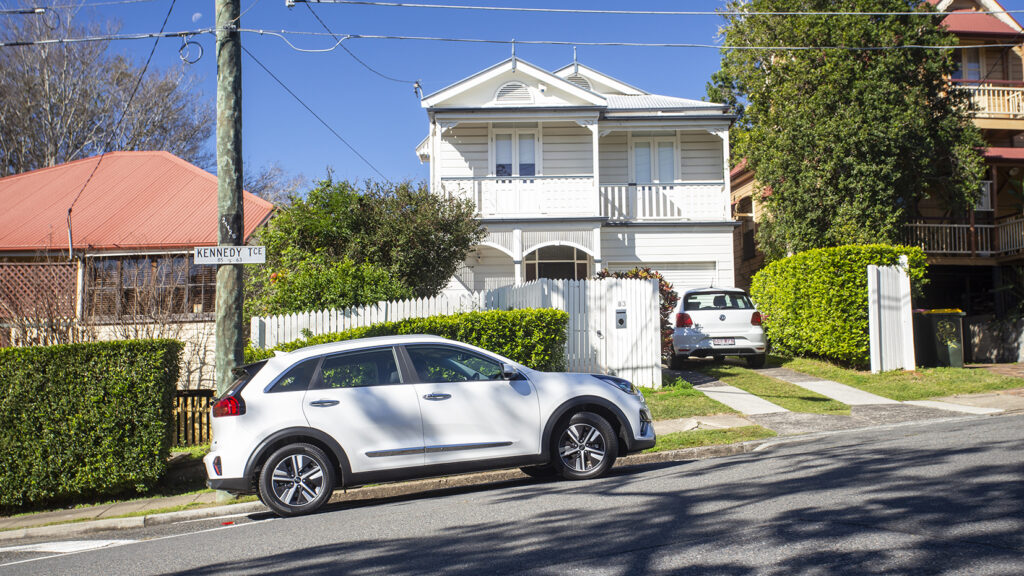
{"x": 515, "y": 153}
{"x": 558, "y": 263}
{"x": 654, "y": 160}
{"x": 968, "y": 64}
{"x": 149, "y": 288}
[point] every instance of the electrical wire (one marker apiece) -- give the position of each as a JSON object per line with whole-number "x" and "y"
{"x": 315, "y": 115}
{"x": 94, "y": 4}
{"x": 108, "y": 38}
{"x": 21, "y": 11}
{"x": 282, "y": 34}
{"x": 117, "y": 124}
{"x": 356, "y": 58}
{"x": 637, "y": 12}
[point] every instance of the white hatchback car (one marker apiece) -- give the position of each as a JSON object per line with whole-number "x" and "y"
{"x": 296, "y": 426}
{"x": 717, "y": 322}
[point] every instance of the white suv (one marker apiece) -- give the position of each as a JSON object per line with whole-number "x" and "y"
{"x": 296, "y": 426}
{"x": 717, "y": 322}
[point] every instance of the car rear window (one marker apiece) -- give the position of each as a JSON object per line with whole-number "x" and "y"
{"x": 242, "y": 374}
{"x": 717, "y": 301}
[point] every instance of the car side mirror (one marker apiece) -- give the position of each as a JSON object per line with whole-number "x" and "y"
{"x": 508, "y": 372}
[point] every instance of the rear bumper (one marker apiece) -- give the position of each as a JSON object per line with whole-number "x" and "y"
{"x": 235, "y": 485}
{"x": 725, "y": 351}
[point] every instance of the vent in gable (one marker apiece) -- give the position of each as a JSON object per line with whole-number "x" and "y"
{"x": 513, "y": 92}
{"x": 579, "y": 81}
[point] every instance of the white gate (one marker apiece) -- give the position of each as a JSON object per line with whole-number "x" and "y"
{"x": 890, "y": 322}
{"x": 614, "y": 324}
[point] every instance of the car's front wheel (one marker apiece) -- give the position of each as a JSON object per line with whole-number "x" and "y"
{"x": 585, "y": 447}
{"x": 296, "y": 479}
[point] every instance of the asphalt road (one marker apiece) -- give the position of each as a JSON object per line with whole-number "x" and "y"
{"x": 925, "y": 498}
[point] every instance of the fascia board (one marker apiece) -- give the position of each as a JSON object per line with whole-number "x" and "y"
{"x": 502, "y": 67}
{"x": 711, "y": 123}
{"x": 604, "y": 78}
{"x": 517, "y": 115}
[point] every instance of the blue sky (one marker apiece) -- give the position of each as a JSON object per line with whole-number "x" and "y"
{"x": 382, "y": 119}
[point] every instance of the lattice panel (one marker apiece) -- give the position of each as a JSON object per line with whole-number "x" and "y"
{"x": 37, "y": 290}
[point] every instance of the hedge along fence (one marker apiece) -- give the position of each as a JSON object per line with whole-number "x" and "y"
{"x": 84, "y": 419}
{"x": 815, "y": 303}
{"x": 532, "y": 337}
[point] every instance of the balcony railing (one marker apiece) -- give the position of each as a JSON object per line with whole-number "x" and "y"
{"x": 508, "y": 197}
{"x": 996, "y": 101}
{"x": 562, "y": 196}
{"x": 1004, "y": 237}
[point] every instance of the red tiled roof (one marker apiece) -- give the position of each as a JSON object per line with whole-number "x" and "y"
{"x": 739, "y": 169}
{"x": 135, "y": 201}
{"x": 970, "y": 23}
{"x": 1009, "y": 154}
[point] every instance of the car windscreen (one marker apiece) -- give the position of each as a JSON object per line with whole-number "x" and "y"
{"x": 717, "y": 301}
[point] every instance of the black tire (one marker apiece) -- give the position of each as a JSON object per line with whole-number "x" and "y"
{"x": 718, "y": 358}
{"x": 676, "y": 362}
{"x": 297, "y": 479}
{"x": 584, "y": 447}
{"x": 757, "y": 361}
{"x": 542, "y": 471}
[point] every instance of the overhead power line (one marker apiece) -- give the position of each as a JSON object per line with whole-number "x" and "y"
{"x": 21, "y": 11}
{"x": 634, "y": 12}
{"x": 315, "y": 115}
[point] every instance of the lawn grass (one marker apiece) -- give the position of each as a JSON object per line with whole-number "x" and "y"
{"x": 904, "y": 385}
{"x": 789, "y": 396}
{"x": 693, "y": 438}
{"x": 678, "y": 399}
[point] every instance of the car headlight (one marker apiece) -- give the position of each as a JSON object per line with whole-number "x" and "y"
{"x": 620, "y": 383}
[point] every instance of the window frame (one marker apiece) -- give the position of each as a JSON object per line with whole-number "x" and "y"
{"x": 653, "y": 143}
{"x": 514, "y": 133}
{"x": 318, "y": 381}
{"x": 109, "y": 278}
{"x": 408, "y": 350}
{"x": 532, "y": 261}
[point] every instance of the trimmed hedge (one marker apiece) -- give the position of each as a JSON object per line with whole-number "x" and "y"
{"x": 532, "y": 337}
{"x": 84, "y": 420}
{"x": 815, "y": 303}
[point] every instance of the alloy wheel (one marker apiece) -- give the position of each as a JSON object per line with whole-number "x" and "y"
{"x": 582, "y": 447}
{"x": 297, "y": 480}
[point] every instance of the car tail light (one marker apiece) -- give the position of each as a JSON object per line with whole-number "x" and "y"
{"x": 217, "y": 467}
{"x": 755, "y": 319}
{"x": 683, "y": 320}
{"x": 229, "y": 406}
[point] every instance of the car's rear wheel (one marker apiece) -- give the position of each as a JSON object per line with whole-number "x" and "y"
{"x": 585, "y": 447}
{"x": 296, "y": 479}
{"x": 757, "y": 361}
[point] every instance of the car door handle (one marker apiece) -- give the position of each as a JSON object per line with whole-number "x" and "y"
{"x": 324, "y": 403}
{"x": 437, "y": 396}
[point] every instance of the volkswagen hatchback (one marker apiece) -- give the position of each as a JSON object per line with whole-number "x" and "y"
{"x": 717, "y": 322}
{"x": 297, "y": 426}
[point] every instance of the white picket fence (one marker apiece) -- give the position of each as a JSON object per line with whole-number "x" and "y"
{"x": 890, "y": 323}
{"x": 613, "y": 323}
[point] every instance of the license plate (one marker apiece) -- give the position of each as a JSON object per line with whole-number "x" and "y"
{"x": 723, "y": 341}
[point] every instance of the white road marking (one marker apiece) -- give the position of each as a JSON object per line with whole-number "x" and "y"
{"x": 67, "y": 546}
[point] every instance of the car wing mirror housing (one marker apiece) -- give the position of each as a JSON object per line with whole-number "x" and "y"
{"x": 509, "y": 372}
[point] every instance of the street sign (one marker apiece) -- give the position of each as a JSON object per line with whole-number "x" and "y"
{"x": 230, "y": 255}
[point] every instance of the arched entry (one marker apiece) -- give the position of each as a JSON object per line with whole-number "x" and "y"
{"x": 559, "y": 262}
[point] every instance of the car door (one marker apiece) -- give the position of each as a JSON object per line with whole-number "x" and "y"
{"x": 359, "y": 398}
{"x": 469, "y": 411}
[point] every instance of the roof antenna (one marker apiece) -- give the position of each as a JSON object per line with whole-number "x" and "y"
{"x": 513, "y": 54}
{"x": 575, "y": 64}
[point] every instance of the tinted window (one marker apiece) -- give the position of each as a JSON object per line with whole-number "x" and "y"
{"x": 355, "y": 369}
{"x": 717, "y": 301}
{"x": 451, "y": 364}
{"x": 297, "y": 377}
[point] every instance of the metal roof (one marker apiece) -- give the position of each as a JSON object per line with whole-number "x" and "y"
{"x": 1004, "y": 154}
{"x": 970, "y": 23}
{"x": 134, "y": 201}
{"x": 656, "y": 102}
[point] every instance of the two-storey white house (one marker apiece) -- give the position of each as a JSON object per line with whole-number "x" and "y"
{"x": 573, "y": 171}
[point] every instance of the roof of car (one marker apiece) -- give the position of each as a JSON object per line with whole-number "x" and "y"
{"x": 366, "y": 342}
{"x": 714, "y": 289}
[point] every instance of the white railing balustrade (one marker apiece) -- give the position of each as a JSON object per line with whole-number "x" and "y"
{"x": 996, "y": 100}
{"x": 497, "y": 197}
{"x": 951, "y": 238}
{"x": 662, "y": 201}
{"x": 1011, "y": 234}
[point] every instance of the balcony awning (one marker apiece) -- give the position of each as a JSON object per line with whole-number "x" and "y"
{"x": 1002, "y": 154}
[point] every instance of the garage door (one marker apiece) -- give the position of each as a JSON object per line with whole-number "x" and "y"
{"x": 682, "y": 275}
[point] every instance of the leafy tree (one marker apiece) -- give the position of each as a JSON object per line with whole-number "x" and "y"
{"x": 341, "y": 246}
{"x": 61, "y": 102}
{"x": 847, "y": 140}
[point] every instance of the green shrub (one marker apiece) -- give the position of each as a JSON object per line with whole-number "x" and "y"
{"x": 532, "y": 337}
{"x": 815, "y": 303}
{"x": 84, "y": 420}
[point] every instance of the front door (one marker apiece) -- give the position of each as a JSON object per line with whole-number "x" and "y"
{"x": 469, "y": 411}
{"x": 360, "y": 400}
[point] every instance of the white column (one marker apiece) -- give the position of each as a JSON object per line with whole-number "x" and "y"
{"x": 595, "y": 135}
{"x": 727, "y": 188}
{"x": 598, "y": 259}
{"x": 517, "y": 259}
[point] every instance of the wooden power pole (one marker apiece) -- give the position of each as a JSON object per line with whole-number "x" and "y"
{"x": 229, "y": 333}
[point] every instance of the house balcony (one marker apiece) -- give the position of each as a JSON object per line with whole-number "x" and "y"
{"x": 999, "y": 104}
{"x": 576, "y": 196}
{"x": 1004, "y": 238}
